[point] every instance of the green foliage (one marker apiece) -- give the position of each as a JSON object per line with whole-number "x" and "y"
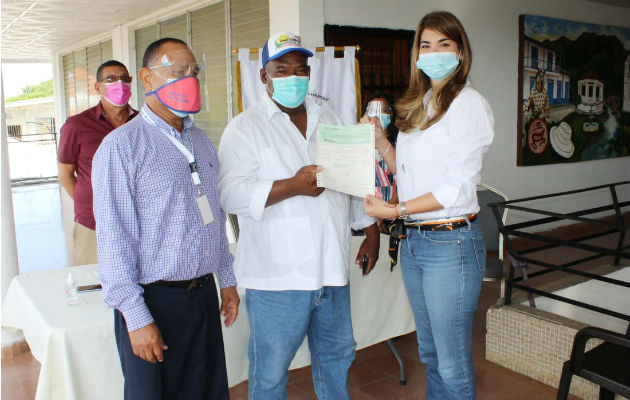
{"x": 44, "y": 89}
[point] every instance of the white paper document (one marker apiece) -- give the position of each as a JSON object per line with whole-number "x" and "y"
{"x": 347, "y": 155}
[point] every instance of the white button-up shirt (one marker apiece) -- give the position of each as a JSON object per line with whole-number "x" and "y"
{"x": 445, "y": 159}
{"x": 301, "y": 243}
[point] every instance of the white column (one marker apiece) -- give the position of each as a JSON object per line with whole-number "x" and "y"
{"x": 61, "y": 113}
{"x": 312, "y": 22}
{"x": 303, "y": 17}
{"x": 284, "y": 15}
{"x": 8, "y": 242}
{"x": 123, "y": 50}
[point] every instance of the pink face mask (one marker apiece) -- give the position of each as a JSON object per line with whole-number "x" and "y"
{"x": 181, "y": 96}
{"x": 118, "y": 93}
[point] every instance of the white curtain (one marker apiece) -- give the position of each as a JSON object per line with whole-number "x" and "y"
{"x": 332, "y": 81}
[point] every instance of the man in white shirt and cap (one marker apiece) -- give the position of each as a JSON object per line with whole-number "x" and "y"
{"x": 294, "y": 247}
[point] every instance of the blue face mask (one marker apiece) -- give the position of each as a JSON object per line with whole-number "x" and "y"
{"x": 437, "y": 65}
{"x": 385, "y": 119}
{"x": 290, "y": 91}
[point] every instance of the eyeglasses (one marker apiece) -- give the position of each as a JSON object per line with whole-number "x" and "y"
{"x": 116, "y": 78}
{"x": 176, "y": 71}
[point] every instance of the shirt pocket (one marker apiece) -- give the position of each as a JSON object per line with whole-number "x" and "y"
{"x": 274, "y": 165}
{"x": 292, "y": 240}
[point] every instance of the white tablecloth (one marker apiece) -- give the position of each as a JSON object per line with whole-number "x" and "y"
{"x": 77, "y": 349}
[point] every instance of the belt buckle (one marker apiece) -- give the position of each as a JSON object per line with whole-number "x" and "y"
{"x": 193, "y": 284}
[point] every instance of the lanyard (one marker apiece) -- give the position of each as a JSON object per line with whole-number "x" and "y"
{"x": 189, "y": 155}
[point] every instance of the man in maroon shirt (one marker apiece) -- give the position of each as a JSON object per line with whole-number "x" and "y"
{"x": 80, "y": 137}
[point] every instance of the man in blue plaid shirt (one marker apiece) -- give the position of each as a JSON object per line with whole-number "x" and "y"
{"x": 161, "y": 238}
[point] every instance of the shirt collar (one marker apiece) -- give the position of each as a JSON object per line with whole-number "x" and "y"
{"x": 98, "y": 110}
{"x": 272, "y": 108}
{"x": 160, "y": 123}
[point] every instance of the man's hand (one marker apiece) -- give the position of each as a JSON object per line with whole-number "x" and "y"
{"x": 305, "y": 181}
{"x": 229, "y": 304}
{"x": 147, "y": 343}
{"x": 370, "y": 247}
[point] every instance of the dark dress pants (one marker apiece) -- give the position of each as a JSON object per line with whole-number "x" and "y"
{"x": 194, "y": 363}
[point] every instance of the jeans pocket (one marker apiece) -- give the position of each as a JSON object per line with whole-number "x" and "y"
{"x": 480, "y": 253}
{"x": 442, "y": 237}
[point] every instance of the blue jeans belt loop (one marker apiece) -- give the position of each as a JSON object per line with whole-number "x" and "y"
{"x": 446, "y": 225}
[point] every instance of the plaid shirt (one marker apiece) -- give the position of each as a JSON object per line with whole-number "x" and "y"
{"x": 148, "y": 224}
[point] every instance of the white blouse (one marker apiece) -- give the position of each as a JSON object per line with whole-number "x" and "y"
{"x": 445, "y": 159}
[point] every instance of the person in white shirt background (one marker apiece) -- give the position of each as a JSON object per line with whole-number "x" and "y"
{"x": 294, "y": 245}
{"x": 446, "y": 127}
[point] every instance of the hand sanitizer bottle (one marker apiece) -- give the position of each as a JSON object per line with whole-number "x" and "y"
{"x": 71, "y": 291}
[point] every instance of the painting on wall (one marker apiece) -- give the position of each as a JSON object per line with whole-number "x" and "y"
{"x": 574, "y": 91}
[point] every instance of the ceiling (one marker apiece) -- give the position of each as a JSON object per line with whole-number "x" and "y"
{"x": 33, "y": 29}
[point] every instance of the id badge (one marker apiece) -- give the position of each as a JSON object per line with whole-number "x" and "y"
{"x": 204, "y": 209}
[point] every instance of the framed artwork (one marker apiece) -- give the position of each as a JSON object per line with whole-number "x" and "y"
{"x": 574, "y": 91}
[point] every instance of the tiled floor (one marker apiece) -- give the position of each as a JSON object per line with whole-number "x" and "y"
{"x": 374, "y": 374}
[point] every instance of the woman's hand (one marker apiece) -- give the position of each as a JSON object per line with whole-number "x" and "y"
{"x": 378, "y": 208}
{"x": 379, "y": 133}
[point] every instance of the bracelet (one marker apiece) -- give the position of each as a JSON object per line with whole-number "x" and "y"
{"x": 389, "y": 145}
{"x": 403, "y": 210}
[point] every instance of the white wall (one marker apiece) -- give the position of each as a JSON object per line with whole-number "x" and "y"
{"x": 492, "y": 27}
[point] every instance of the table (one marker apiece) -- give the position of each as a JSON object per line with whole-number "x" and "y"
{"x": 77, "y": 349}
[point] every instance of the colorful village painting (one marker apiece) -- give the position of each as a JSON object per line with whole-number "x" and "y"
{"x": 574, "y": 91}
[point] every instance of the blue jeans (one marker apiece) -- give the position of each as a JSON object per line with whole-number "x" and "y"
{"x": 279, "y": 321}
{"x": 442, "y": 271}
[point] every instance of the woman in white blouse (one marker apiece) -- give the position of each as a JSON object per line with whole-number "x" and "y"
{"x": 447, "y": 130}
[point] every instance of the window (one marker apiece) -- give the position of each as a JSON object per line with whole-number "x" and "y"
{"x": 79, "y": 72}
{"x": 558, "y": 89}
{"x": 205, "y": 32}
{"x": 383, "y": 59}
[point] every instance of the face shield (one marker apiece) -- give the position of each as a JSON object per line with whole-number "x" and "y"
{"x": 181, "y": 93}
{"x": 176, "y": 65}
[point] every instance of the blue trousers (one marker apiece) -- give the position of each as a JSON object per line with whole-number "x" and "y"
{"x": 442, "y": 272}
{"x": 194, "y": 364}
{"x": 279, "y": 321}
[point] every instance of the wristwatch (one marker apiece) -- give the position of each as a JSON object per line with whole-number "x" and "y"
{"x": 403, "y": 210}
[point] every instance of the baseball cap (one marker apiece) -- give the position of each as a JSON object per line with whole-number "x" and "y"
{"x": 281, "y": 44}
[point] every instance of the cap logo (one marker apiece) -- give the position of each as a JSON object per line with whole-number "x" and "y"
{"x": 286, "y": 40}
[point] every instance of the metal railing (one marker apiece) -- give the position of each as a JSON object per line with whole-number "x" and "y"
{"x": 33, "y": 157}
{"x": 522, "y": 259}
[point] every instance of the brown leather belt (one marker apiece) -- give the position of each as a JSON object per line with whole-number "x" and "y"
{"x": 187, "y": 284}
{"x": 442, "y": 225}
